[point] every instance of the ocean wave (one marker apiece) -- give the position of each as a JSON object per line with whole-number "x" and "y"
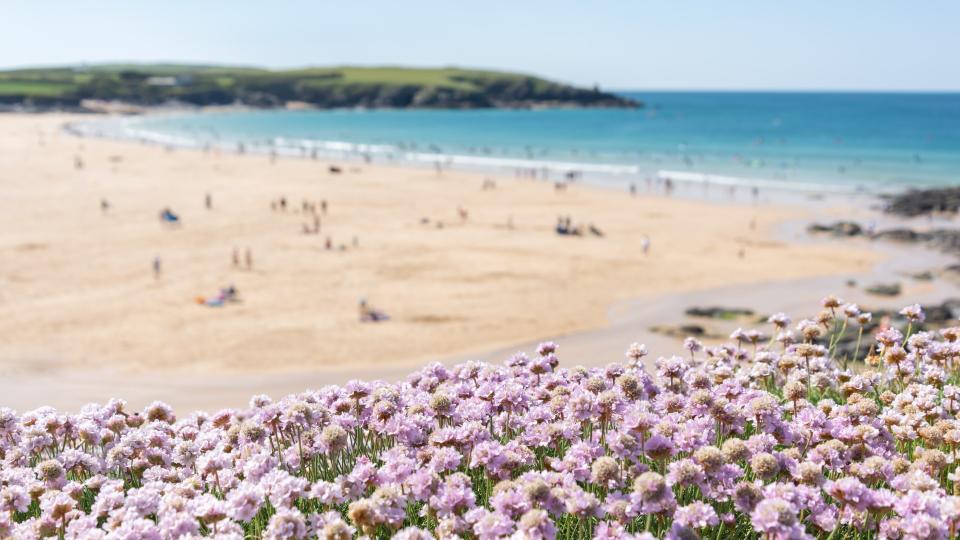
{"x": 689, "y": 177}
{"x": 602, "y": 172}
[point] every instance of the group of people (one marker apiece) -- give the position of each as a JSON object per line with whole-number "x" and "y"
{"x": 565, "y": 227}
{"x": 247, "y": 259}
{"x": 226, "y": 294}
{"x": 307, "y": 207}
{"x": 312, "y": 228}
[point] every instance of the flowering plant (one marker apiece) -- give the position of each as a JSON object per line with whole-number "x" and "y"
{"x": 759, "y": 438}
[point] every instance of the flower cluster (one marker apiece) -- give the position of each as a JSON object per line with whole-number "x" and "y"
{"x": 759, "y": 438}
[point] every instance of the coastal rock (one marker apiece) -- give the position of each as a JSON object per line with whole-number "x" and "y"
{"x": 900, "y": 235}
{"x": 947, "y": 240}
{"x": 884, "y": 289}
{"x": 717, "y": 312}
{"x": 684, "y": 330}
{"x": 838, "y": 228}
{"x": 917, "y": 202}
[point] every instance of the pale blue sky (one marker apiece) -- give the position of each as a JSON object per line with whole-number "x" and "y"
{"x": 671, "y": 44}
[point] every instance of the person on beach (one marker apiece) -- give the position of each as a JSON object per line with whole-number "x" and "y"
{"x": 248, "y": 259}
{"x": 369, "y": 314}
{"x": 236, "y": 257}
{"x": 208, "y": 201}
{"x": 104, "y": 206}
{"x": 157, "y": 267}
{"x": 168, "y": 217}
{"x": 633, "y": 189}
{"x": 645, "y": 244}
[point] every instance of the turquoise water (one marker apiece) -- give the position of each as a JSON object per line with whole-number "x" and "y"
{"x": 829, "y": 141}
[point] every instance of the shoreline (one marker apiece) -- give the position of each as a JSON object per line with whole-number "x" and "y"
{"x": 696, "y": 185}
{"x": 599, "y": 262}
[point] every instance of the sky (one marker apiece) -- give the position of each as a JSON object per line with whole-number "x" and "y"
{"x": 618, "y": 45}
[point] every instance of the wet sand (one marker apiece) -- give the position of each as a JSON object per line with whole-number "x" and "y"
{"x": 82, "y": 317}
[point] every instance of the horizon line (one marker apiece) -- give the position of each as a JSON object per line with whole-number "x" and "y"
{"x": 616, "y": 88}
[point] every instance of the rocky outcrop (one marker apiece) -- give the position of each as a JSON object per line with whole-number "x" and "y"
{"x": 716, "y": 312}
{"x": 947, "y": 240}
{"x": 918, "y": 202}
{"x": 838, "y": 228}
{"x": 884, "y": 289}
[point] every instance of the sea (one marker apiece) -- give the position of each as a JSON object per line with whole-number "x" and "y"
{"x": 811, "y": 141}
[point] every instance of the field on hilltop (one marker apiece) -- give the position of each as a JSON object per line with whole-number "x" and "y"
{"x": 158, "y": 84}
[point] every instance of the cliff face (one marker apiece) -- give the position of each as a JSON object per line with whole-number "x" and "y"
{"x": 319, "y": 87}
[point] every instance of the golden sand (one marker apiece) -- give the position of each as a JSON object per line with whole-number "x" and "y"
{"x": 77, "y": 291}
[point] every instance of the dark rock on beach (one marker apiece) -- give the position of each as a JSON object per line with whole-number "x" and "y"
{"x": 839, "y": 228}
{"x": 918, "y": 202}
{"x": 884, "y": 289}
{"x": 684, "y": 331}
{"x": 947, "y": 240}
{"x": 716, "y": 312}
{"x": 900, "y": 235}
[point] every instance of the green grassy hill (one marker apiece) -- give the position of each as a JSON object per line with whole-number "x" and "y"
{"x": 157, "y": 84}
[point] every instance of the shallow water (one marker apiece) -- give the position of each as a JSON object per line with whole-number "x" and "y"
{"x": 811, "y": 141}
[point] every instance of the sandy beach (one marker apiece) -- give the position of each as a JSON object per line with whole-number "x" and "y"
{"x": 80, "y": 304}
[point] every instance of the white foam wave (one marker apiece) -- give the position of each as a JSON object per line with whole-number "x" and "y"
{"x": 131, "y": 128}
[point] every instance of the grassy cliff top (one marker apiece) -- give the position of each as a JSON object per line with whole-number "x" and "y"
{"x": 388, "y": 86}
